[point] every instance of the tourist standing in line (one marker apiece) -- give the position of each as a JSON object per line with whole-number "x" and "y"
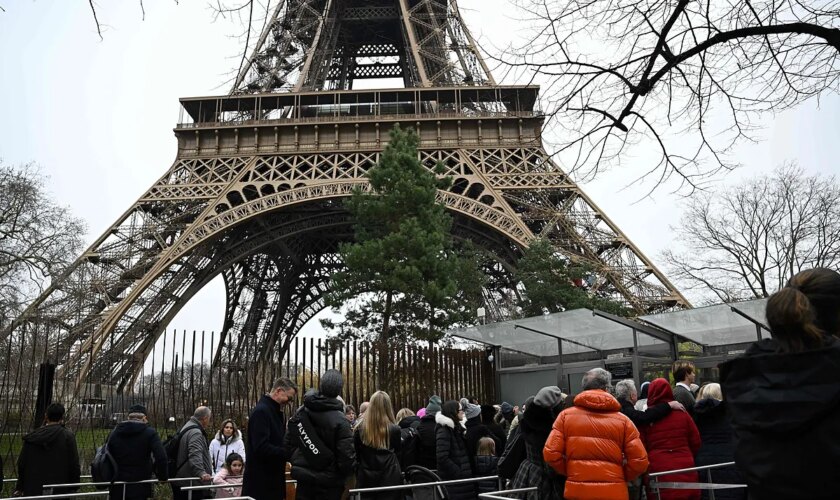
{"x": 535, "y": 426}
{"x": 131, "y": 444}
{"x": 265, "y": 476}
{"x": 641, "y": 404}
{"x": 320, "y": 442}
{"x": 671, "y": 444}
{"x": 193, "y": 458}
{"x": 426, "y": 455}
{"x": 784, "y": 394}
{"x": 596, "y": 446}
{"x": 625, "y": 392}
{"x": 453, "y": 461}
{"x": 377, "y": 444}
{"x": 409, "y": 437}
{"x": 227, "y": 440}
{"x": 48, "y": 456}
{"x": 684, "y": 375}
{"x": 488, "y": 414}
{"x": 231, "y": 475}
{"x": 718, "y": 442}
{"x": 486, "y": 464}
{"x": 350, "y": 413}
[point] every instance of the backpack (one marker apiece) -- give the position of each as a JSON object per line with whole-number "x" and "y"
{"x": 172, "y": 445}
{"x": 103, "y": 468}
{"x": 409, "y": 443}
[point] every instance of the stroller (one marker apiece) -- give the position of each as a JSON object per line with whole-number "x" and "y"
{"x": 415, "y": 474}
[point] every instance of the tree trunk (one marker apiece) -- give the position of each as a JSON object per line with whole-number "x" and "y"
{"x": 384, "y": 359}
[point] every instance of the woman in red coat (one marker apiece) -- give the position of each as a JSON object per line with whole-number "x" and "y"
{"x": 671, "y": 444}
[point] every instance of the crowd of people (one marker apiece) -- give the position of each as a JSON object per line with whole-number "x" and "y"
{"x": 774, "y": 413}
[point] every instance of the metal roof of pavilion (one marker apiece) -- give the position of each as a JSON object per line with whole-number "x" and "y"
{"x": 583, "y": 330}
{"x": 716, "y": 325}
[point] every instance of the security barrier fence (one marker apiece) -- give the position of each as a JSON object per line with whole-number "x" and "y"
{"x": 184, "y": 370}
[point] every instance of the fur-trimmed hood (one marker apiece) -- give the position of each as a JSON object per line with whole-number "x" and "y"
{"x": 233, "y": 439}
{"x": 442, "y": 419}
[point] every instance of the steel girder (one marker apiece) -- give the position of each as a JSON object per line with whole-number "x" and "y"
{"x": 318, "y": 44}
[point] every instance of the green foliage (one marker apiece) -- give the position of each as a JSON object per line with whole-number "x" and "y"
{"x": 404, "y": 278}
{"x": 549, "y": 281}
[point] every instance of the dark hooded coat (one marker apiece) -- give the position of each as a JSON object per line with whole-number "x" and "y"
{"x": 785, "y": 409}
{"x": 453, "y": 460}
{"x": 49, "y": 456}
{"x": 426, "y": 455}
{"x": 718, "y": 446}
{"x": 333, "y": 429}
{"x": 137, "y": 449}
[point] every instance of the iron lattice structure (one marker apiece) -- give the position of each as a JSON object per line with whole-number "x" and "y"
{"x": 255, "y": 193}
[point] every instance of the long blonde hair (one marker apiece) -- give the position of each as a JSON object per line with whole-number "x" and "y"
{"x": 376, "y": 426}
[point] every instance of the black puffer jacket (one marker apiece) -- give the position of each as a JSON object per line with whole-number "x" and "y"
{"x": 718, "y": 446}
{"x": 332, "y": 427}
{"x": 475, "y": 431}
{"x": 426, "y": 446}
{"x": 785, "y": 409}
{"x": 49, "y": 456}
{"x": 486, "y": 465}
{"x": 379, "y": 467}
{"x": 132, "y": 443}
{"x": 452, "y": 459}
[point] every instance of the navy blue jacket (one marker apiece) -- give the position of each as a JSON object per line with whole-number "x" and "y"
{"x": 137, "y": 449}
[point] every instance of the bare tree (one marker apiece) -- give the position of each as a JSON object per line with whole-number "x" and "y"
{"x": 745, "y": 242}
{"x": 38, "y": 238}
{"x": 689, "y": 77}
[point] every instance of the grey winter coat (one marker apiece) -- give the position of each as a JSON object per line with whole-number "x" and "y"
{"x": 193, "y": 451}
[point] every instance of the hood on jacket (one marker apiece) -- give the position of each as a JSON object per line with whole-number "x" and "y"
{"x": 659, "y": 391}
{"x": 236, "y": 435}
{"x": 708, "y": 406}
{"x": 594, "y": 399}
{"x": 537, "y": 419}
{"x": 317, "y": 402}
{"x": 45, "y": 436}
{"x": 130, "y": 427}
{"x": 409, "y": 421}
{"x": 775, "y": 392}
{"x": 442, "y": 419}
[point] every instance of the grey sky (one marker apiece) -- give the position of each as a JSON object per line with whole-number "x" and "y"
{"x": 98, "y": 115}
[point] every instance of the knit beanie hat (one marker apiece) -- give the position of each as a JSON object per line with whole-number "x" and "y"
{"x": 472, "y": 411}
{"x": 549, "y": 397}
{"x": 507, "y": 409}
{"x": 434, "y": 405}
{"x": 331, "y": 383}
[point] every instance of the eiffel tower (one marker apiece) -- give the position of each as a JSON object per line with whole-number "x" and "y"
{"x": 255, "y": 192}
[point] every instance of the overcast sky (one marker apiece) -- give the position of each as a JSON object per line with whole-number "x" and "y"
{"x": 97, "y": 115}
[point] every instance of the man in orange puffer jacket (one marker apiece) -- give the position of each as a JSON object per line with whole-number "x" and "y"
{"x": 594, "y": 445}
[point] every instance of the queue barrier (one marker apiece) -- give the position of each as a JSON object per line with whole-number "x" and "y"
{"x": 501, "y": 495}
{"x": 710, "y": 486}
{"x": 211, "y": 487}
{"x": 357, "y": 493}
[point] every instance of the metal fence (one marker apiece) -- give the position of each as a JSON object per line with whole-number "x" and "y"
{"x": 187, "y": 369}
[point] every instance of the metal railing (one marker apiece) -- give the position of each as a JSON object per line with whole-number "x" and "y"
{"x": 64, "y": 495}
{"x": 656, "y": 485}
{"x": 357, "y": 493}
{"x": 212, "y": 487}
{"x": 500, "y": 495}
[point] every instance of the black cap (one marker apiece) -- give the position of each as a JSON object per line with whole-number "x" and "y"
{"x": 137, "y": 409}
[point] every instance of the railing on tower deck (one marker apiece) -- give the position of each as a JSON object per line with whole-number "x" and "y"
{"x": 445, "y": 102}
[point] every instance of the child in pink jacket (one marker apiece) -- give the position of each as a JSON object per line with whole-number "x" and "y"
{"x": 230, "y": 474}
